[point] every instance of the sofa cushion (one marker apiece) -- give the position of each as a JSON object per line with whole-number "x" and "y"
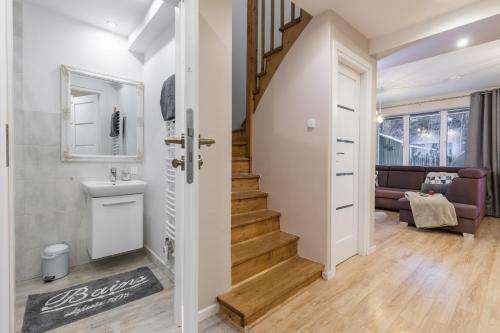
{"x": 474, "y": 173}
{"x": 406, "y": 179}
{"x": 462, "y": 210}
{"x": 390, "y": 193}
{"x": 442, "y": 169}
{"x": 436, "y": 188}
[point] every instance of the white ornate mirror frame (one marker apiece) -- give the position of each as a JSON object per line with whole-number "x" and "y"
{"x": 66, "y": 155}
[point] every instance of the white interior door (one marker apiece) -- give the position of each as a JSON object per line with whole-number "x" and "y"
{"x": 6, "y": 171}
{"x": 345, "y": 232}
{"x": 85, "y": 127}
{"x": 187, "y": 184}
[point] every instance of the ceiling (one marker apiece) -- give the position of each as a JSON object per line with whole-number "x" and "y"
{"x": 378, "y": 18}
{"x": 471, "y": 68}
{"x": 127, "y": 14}
{"x": 477, "y": 33}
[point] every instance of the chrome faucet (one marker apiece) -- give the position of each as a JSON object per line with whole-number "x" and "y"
{"x": 112, "y": 176}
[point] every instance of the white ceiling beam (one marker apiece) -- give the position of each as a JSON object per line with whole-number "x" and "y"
{"x": 469, "y": 14}
{"x": 159, "y": 16}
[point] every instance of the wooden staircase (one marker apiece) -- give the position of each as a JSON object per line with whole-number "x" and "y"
{"x": 267, "y": 46}
{"x": 266, "y": 270}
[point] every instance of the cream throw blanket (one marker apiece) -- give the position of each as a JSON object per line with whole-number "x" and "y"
{"x": 431, "y": 211}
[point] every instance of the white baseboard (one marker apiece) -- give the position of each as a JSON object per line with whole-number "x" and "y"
{"x": 154, "y": 255}
{"x": 208, "y": 312}
{"x": 371, "y": 249}
{"x": 328, "y": 275}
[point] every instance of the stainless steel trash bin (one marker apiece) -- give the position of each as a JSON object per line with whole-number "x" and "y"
{"x": 55, "y": 262}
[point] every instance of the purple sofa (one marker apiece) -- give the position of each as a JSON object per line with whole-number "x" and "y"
{"x": 467, "y": 193}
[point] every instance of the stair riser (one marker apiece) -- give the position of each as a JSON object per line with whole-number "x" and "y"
{"x": 246, "y": 184}
{"x": 239, "y": 151}
{"x": 241, "y": 166}
{"x": 250, "y": 231}
{"x": 239, "y": 136}
{"x": 248, "y": 205}
{"x": 256, "y": 265}
{"x": 230, "y": 316}
{"x": 279, "y": 300}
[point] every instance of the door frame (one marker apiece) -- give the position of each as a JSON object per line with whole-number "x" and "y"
{"x": 366, "y": 162}
{"x": 7, "y": 278}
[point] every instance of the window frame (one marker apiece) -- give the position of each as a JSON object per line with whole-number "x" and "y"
{"x": 378, "y": 136}
{"x": 443, "y": 132}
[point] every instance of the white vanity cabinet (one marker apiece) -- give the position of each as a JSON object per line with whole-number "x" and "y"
{"x": 116, "y": 225}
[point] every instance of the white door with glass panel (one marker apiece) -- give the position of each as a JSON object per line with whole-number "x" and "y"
{"x": 85, "y": 135}
{"x": 345, "y": 225}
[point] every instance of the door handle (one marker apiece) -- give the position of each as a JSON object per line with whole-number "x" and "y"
{"x": 179, "y": 163}
{"x": 172, "y": 140}
{"x": 205, "y": 142}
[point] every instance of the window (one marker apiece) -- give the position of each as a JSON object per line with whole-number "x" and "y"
{"x": 390, "y": 141}
{"x": 425, "y": 139}
{"x": 458, "y": 123}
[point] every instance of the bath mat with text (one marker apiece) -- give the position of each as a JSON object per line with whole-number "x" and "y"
{"x": 50, "y": 310}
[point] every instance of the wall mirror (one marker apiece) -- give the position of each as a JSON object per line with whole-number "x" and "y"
{"x": 101, "y": 117}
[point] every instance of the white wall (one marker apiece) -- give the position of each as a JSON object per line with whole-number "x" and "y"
{"x": 292, "y": 161}
{"x": 49, "y": 201}
{"x": 239, "y": 62}
{"x": 159, "y": 65}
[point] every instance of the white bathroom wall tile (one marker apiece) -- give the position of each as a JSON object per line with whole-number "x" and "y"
{"x": 42, "y": 230}
{"x": 18, "y": 127}
{"x": 69, "y": 195}
{"x": 41, "y": 128}
{"x": 18, "y": 90}
{"x": 40, "y": 196}
{"x": 78, "y": 254}
{"x": 82, "y": 171}
{"x": 19, "y": 198}
{"x": 18, "y": 55}
{"x": 18, "y": 162}
{"x": 28, "y": 264}
{"x": 70, "y": 226}
{"x": 40, "y": 161}
{"x": 17, "y": 9}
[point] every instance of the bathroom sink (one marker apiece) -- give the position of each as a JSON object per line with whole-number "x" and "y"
{"x": 104, "y": 188}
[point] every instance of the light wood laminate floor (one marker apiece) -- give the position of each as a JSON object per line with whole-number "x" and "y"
{"x": 152, "y": 314}
{"x": 416, "y": 281}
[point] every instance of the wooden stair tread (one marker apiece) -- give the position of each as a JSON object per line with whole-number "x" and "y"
{"x": 239, "y": 130}
{"x": 241, "y": 252}
{"x": 239, "y": 143}
{"x": 248, "y": 195}
{"x": 258, "y": 293}
{"x": 239, "y": 220}
{"x": 241, "y": 159}
{"x": 245, "y": 176}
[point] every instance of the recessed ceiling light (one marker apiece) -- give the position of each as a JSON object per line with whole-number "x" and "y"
{"x": 111, "y": 24}
{"x": 462, "y": 42}
{"x": 456, "y": 77}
